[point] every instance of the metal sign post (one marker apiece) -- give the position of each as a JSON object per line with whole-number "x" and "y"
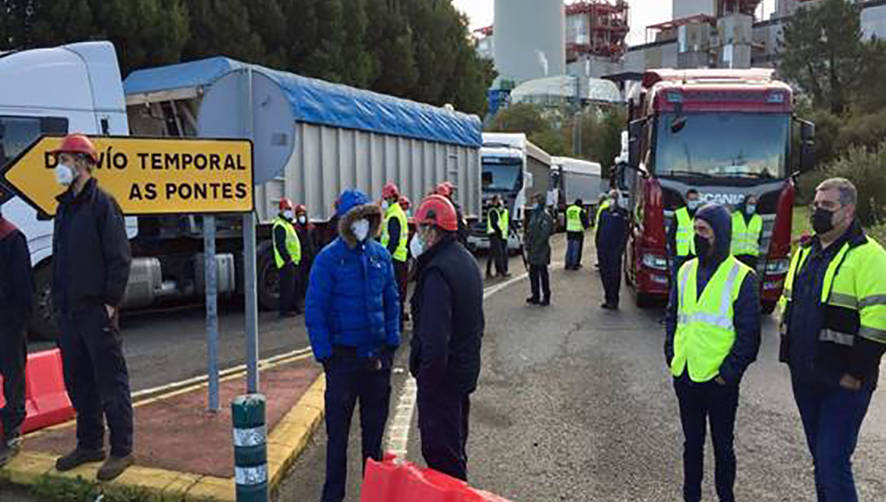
{"x": 210, "y": 271}
{"x": 249, "y": 260}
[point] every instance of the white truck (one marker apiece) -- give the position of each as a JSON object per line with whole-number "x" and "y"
{"x": 572, "y": 179}
{"x": 515, "y": 169}
{"x": 334, "y": 137}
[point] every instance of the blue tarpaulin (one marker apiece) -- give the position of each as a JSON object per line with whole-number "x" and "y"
{"x": 318, "y": 102}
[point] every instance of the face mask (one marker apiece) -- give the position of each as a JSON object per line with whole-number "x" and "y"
{"x": 287, "y": 214}
{"x": 417, "y": 245}
{"x": 385, "y": 205}
{"x": 702, "y": 247}
{"x": 692, "y": 205}
{"x": 303, "y": 219}
{"x": 64, "y": 174}
{"x": 822, "y": 220}
{"x": 360, "y": 229}
{"x": 751, "y": 208}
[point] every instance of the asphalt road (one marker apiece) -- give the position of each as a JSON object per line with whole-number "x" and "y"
{"x": 575, "y": 404}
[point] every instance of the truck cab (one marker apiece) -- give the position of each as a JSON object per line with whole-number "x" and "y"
{"x": 725, "y": 133}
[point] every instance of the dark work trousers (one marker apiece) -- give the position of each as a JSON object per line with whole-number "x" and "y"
{"x": 288, "y": 275}
{"x": 700, "y": 403}
{"x": 96, "y": 378}
{"x": 443, "y": 416}
{"x": 832, "y": 418}
{"x": 610, "y": 274}
{"x": 497, "y": 255}
{"x": 540, "y": 282}
{"x": 13, "y": 355}
{"x": 748, "y": 260}
{"x": 574, "y": 247}
{"x": 348, "y": 379}
{"x": 304, "y": 275}
{"x": 401, "y": 273}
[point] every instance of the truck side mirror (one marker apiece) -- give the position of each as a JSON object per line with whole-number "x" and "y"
{"x": 807, "y": 149}
{"x": 635, "y": 129}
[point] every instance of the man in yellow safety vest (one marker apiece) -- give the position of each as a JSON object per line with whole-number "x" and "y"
{"x": 576, "y": 223}
{"x": 287, "y": 257}
{"x": 747, "y": 226}
{"x": 395, "y": 238}
{"x": 713, "y": 334}
{"x": 497, "y": 232}
{"x": 833, "y": 333}
{"x": 680, "y": 234}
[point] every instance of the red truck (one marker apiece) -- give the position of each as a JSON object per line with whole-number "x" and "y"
{"x": 726, "y": 133}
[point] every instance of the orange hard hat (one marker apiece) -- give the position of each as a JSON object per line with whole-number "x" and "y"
{"x": 404, "y": 202}
{"x": 390, "y": 190}
{"x": 77, "y": 143}
{"x": 438, "y": 211}
{"x": 445, "y": 189}
{"x": 286, "y": 204}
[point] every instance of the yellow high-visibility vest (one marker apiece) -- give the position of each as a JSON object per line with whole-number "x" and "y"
{"x": 395, "y": 211}
{"x": 502, "y": 215}
{"x": 573, "y": 219}
{"x": 603, "y": 206}
{"x": 292, "y": 243}
{"x": 746, "y": 237}
{"x": 705, "y": 325}
{"x": 685, "y": 233}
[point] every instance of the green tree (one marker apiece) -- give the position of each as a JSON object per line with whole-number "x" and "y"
{"x": 222, "y": 28}
{"x": 823, "y": 53}
{"x": 145, "y": 32}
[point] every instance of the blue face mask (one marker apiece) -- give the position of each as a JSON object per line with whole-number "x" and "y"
{"x": 751, "y": 208}
{"x": 692, "y": 205}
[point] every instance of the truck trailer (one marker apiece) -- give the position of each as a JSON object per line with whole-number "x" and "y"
{"x": 331, "y": 136}
{"x": 573, "y": 179}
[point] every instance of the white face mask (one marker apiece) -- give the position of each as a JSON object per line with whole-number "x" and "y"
{"x": 303, "y": 219}
{"x": 287, "y": 214}
{"x": 64, "y": 174}
{"x": 417, "y": 245}
{"x": 385, "y": 205}
{"x": 360, "y": 229}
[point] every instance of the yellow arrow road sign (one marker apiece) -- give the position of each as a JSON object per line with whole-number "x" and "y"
{"x": 146, "y": 175}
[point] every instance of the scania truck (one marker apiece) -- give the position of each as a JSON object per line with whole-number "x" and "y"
{"x": 726, "y": 133}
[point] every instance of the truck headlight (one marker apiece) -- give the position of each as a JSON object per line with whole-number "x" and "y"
{"x": 655, "y": 261}
{"x": 778, "y": 267}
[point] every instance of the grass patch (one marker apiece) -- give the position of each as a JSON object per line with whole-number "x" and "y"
{"x": 800, "y": 223}
{"x": 54, "y": 489}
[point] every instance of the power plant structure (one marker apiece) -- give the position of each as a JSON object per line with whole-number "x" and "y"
{"x": 529, "y": 39}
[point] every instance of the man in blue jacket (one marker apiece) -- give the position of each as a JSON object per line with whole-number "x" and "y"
{"x": 612, "y": 232}
{"x": 713, "y": 335}
{"x": 352, "y": 312}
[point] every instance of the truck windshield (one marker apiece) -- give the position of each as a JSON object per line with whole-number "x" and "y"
{"x": 726, "y": 144}
{"x": 501, "y": 175}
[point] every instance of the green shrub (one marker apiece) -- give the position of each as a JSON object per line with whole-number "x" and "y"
{"x": 867, "y": 170}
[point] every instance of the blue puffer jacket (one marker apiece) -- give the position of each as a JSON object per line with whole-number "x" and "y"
{"x": 352, "y": 297}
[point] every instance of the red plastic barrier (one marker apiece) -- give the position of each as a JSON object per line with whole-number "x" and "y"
{"x": 393, "y": 481}
{"x": 46, "y": 400}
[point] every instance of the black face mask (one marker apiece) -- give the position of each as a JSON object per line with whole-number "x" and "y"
{"x": 702, "y": 247}
{"x": 822, "y": 220}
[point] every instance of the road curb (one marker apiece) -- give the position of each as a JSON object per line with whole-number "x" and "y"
{"x": 285, "y": 443}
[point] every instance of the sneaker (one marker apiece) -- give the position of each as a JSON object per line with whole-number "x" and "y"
{"x": 77, "y": 458}
{"x": 113, "y": 467}
{"x": 9, "y": 449}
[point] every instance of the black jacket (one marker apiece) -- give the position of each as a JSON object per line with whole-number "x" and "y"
{"x": 447, "y": 309}
{"x": 90, "y": 250}
{"x": 16, "y": 286}
{"x": 613, "y": 232}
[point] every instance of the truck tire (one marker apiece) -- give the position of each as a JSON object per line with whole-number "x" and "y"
{"x": 42, "y": 325}
{"x": 645, "y": 301}
{"x": 768, "y": 307}
{"x": 266, "y": 274}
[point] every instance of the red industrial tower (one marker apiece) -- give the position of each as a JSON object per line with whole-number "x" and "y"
{"x": 605, "y": 24}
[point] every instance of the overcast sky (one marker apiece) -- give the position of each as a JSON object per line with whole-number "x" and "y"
{"x": 642, "y": 13}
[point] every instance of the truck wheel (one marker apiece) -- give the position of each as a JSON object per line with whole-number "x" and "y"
{"x": 266, "y": 274}
{"x": 42, "y": 325}
{"x": 768, "y": 308}
{"x": 645, "y": 301}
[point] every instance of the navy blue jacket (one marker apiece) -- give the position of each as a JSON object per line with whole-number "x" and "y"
{"x": 746, "y": 308}
{"x": 613, "y": 231}
{"x": 447, "y": 310}
{"x": 352, "y": 299}
{"x": 16, "y": 286}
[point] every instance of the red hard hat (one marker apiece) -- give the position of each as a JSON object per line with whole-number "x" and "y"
{"x": 445, "y": 189}
{"x": 404, "y": 202}
{"x": 390, "y": 190}
{"x": 285, "y": 204}
{"x": 77, "y": 143}
{"x": 436, "y": 210}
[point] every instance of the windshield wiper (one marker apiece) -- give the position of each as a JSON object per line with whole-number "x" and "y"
{"x": 688, "y": 173}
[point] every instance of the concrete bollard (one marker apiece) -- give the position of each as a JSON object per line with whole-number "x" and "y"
{"x": 250, "y": 448}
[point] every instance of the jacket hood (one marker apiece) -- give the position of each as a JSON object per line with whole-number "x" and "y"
{"x": 354, "y": 205}
{"x": 720, "y": 220}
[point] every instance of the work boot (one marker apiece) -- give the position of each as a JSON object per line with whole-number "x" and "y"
{"x": 532, "y": 300}
{"x": 77, "y": 458}
{"x": 113, "y": 467}
{"x": 9, "y": 448}
{"x": 546, "y": 302}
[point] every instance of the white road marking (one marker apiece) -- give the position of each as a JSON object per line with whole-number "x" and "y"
{"x": 398, "y": 427}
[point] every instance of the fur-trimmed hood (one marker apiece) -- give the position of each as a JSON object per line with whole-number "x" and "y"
{"x": 354, "y": 205}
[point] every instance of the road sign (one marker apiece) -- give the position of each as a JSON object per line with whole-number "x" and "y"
{"x": 147, "y": 175}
